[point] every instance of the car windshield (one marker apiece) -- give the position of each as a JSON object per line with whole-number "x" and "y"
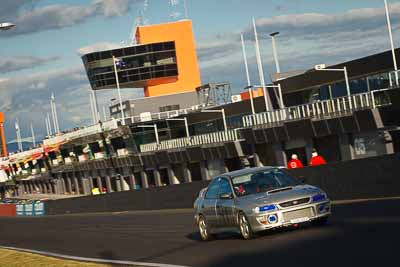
{"x": 253, "y": 183}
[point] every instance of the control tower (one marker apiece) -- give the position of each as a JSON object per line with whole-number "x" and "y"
{"x": 163, "y": 62}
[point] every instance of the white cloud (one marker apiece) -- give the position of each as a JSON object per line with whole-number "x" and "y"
{"x": 51, "y": 17}
{"x": 21, "y": 63}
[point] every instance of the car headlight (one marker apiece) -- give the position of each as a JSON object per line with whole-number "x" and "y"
{"x": 319, "y": 197}
{"x": 265, "y": 208}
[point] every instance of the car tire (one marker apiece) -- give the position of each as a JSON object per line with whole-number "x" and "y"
{"x": 244, "y": 227}
{"x": 320, "y": 221}
{"x": 204, "y": 230}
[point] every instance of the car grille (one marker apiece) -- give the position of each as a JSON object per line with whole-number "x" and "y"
{"x": 294, "y": 202}
{"x": 295, "y": 214}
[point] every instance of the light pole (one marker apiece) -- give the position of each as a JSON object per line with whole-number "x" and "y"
{"x": 245, "y": 60}
{"x": 391, "y": 42}
{"x": 260, "y": 69}
{"x": 322, "y": 67}
{"x": 222, "y": 111}
{"x": 275, "y": 52}
{"x": 154, "y": 126}
{"x": 119, "y": 90}
{"x": 186, "y": 124}
{"x": 6, "y": 26}
{"x": 250, "y": 90}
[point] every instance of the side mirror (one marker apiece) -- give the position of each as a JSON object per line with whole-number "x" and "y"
{"x": 226, "y": 196}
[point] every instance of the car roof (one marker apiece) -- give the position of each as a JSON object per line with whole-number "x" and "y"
{"x": 247, "y": 171}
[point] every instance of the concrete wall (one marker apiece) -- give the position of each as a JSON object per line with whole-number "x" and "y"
{"x": 363, "y": 178}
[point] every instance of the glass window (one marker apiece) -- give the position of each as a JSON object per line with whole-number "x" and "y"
{"x": 324, "y": 93}
{"x": 254, "y": 183}
{"x": 212, "y": 191}
{"x": 378, "y": 81}
{"x": 358, "y": 86}
{"x": 338, "y": 89}
{"x": 224, "y": 187}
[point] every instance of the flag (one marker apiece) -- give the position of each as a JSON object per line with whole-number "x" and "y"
{"x": 119, "y": 63}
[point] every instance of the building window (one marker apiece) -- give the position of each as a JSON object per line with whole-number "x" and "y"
{"x": 169, "y": 108}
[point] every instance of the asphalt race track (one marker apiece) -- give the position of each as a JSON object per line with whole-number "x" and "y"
{"x": 359, "y": 234}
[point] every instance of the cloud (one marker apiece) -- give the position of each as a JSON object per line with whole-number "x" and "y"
{"x": 318, "y": 25}
{"x": 28, "y": 99}
{"x": 53, "y": 17}
{"x": 21, "y": 63}
{"x": 97, "y": 47}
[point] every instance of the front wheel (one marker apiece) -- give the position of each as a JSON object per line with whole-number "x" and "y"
{"x": 204, "y": 229}
{"x": 245, "y": 228}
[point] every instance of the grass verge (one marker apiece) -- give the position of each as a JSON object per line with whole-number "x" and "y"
{"x": 11, "y": 258}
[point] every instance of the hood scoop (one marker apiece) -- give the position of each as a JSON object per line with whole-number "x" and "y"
{"x": 280, "y": 190}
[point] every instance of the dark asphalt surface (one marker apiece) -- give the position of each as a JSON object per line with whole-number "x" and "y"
{"x": 359, "y": 234}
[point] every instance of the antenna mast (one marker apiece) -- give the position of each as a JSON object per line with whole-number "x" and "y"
{"x": 139, "y": 21}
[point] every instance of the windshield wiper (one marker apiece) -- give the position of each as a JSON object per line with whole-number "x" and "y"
{"x": 279, "y": 189}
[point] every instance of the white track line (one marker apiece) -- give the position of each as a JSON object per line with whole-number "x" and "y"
{"x": 350, "y": 201}
{"x": 68, "y": 257}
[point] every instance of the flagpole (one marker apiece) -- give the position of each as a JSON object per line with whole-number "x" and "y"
{"x": 47, "y": 126}
{"x": 119, "y": 92}
{"x": 55, "y": 113}
{"x": 52, "y": 113}
{"x": 260, "y": 68}
{"x": 96, "y": 106}
{"x": 33, "y": 136}
{"x": 49, "y": 123}
{"x": 104, "y": 113}
{"x": 92, "y": 108}
{"x": 18, "y": 132}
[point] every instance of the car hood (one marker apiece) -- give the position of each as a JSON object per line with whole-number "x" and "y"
{"x": 296, "y": 192}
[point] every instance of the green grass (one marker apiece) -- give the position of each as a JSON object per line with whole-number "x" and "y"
{"x": 10, "y": 258}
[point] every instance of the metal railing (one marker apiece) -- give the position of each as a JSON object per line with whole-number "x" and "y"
{"x": 93, "y": 129}
{"x": 196, "y": 140}
{"x": 163, "y": 115}
{"x": 322, "y": 109}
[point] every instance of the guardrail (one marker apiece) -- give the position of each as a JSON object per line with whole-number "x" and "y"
{"x": 327, "y": 108}
{"x": 93, "y": 129}
{"x": 196, "y": 140}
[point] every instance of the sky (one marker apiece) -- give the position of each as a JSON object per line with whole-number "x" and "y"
{"x": 42, "y": 54}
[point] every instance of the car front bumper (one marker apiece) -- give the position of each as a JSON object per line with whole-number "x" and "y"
{"x": 289, "y": 216}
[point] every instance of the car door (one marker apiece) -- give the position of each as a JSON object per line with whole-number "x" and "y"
{"x": 225, "y": 207}
{"x": 209, "y": 203}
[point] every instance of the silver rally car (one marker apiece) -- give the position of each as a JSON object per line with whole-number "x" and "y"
{"x": 257, "y": 199}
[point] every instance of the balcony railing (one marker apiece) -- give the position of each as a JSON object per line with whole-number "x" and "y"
{"x": 322, "y": 109}
{"x": 94, "y": 129}
{"x": 197, "y": 140}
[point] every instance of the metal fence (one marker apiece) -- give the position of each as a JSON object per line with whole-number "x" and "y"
{"x": 203, "y": 139}
{"x": 322, "y": 109}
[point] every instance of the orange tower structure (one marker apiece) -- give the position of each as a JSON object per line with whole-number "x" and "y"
{"x": 3, "y": 147}
{"x": 181, "y": 33}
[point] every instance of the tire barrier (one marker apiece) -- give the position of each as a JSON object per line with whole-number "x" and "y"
{"x": 362, "y": 178}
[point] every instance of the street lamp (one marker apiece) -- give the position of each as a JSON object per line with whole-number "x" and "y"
{"x": 322, "y": 67}
{"x": 6, "y": 26}
{"x": 274, "y": 50}
{"x": 154, "y": 126}
{"x": 114, "y": 59}
{"x": 186, "y": 124}
{"x": 222, "y": 111}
